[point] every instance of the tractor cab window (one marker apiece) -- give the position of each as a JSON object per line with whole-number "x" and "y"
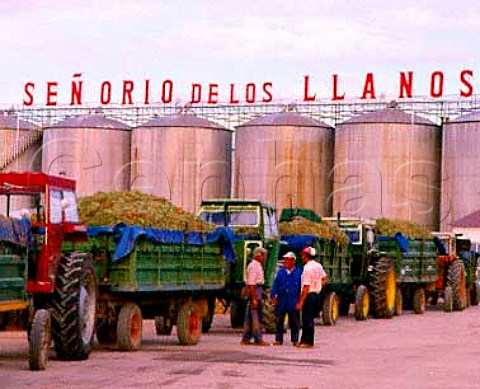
{"x": 270, "y": 223}
{"x": 69, "y": 205}
{"x": 55, "y": 207}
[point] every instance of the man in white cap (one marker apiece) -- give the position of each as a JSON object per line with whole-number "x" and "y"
{"x": 313, "y": 279}
{"x": 285, "y": 293}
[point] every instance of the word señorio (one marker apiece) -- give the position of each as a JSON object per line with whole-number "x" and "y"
{"x": 142, "y": 92}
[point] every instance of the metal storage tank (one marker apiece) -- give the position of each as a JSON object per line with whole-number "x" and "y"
{"x": 21, "y": 142}
{"x": 183, "y": 158}
{"x": 20, "y": 151}
{"x": 460, "y": 169}
{"x": 387, "y": 164}
{"x": 92, "y": 149}
{"x": 285, "y": 159}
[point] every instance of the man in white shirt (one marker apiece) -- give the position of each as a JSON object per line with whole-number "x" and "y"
{"x": 313, "y": 279}
{"x": 252, "y": 326}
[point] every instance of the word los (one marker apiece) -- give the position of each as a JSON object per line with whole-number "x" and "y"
{"x": 213, "y": 93}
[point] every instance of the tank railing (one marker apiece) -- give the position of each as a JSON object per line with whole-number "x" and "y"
{"x": 24, "y": 143}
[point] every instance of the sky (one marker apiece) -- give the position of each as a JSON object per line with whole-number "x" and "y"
{"x": 234, "y": 42}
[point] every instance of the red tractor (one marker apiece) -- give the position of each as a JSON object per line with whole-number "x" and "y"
{"x": 45, "y": 289}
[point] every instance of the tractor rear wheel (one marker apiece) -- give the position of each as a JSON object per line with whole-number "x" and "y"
{"x": 383, "y": 285}
{"x": 189, "y": 324}
{"x": 456, "y": 279}
{"x": 39, "y": 340}
{"x": 330, "y": 309}
{"x": 419, "y": 300}
{"x": 73, "y": 307}
{"x": 129, "y": 327}
{"x": 362, "y": 303}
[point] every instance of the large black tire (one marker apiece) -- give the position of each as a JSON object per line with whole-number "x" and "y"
{"x": 448, "y": 299}
{"x": 419, "y": 300}
{"x": 398, "y": 301}
{"x": 456, "y": 279}
{"x": 330, "y": 309}
{"x": 362, "y": 303}
{"x": 237, "y": 313}
{"x": 269, "y": 319}
{"x": 129, "y": 327}
{"x": 208, "y": 319}
{"x": 382, "y": 287}
{"x": 189, "y": 324}
{"x": 39, "y": 340}
{"x": 73, "y": 307}
{"x": 163, "y": 326}
{"x": 475, "y": 293}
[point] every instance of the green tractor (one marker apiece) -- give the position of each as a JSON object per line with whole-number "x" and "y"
{"x": 372, "y": 283}
{"x": 254, "y": 224}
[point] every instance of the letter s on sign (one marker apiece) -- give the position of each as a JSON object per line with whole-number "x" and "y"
{"x": 29, "y": 87}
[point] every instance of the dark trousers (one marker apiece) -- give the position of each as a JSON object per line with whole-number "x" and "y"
{"x": 293, "y": 323}
{"x": 308, "y": 314}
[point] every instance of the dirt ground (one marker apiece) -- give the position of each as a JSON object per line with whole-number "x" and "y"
{"x": 434, "y": 350}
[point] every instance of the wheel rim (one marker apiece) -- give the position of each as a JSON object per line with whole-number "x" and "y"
{"x": 390, "y": 290}
{"x": 87, "y": 309}
{"x": 193, "y": 322}
{"x": 135, "y": 328}
{"x": 365, "y": 304}
{"x": 335, "y": 308}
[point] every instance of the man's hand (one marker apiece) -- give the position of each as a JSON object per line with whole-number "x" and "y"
{"x": 255, "y": 304}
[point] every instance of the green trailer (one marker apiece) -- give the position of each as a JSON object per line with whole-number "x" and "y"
{"x": 254, "y": 224}
{"x": 173, "y": 277}
{"x": 415, "y": 268}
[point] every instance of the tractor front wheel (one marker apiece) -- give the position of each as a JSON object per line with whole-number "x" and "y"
{"x": 419, "y": 301}
{"x": 362, "y": 303}
{"x": 330, "y": 309}
{"x": 39, "y": 340}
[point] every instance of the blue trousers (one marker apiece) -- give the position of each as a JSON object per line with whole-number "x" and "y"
{"x": 252, "y": 325}
{"x": 293, "y": 323}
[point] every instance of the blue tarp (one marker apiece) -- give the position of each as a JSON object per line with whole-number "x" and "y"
{"x": 400, "y": 238}
{"x": 18, "y": 232}
{"x": 442, "y": 250}
{"x": 125, "y": 237}
{"x": 299, "y": 242}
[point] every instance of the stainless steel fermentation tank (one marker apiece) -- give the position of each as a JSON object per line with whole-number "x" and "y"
{"x": 387, "y": 164}
{"x": 92, "y": 149}
{"x": 183, "y": 158}
{"x": 285, "y": 159}
{"x": 460, "y": 169}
